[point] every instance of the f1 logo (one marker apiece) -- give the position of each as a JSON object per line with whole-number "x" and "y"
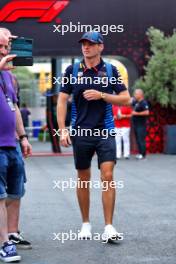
{"x": 46, "y": 11}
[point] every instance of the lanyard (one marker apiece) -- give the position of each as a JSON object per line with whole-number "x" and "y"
{"x": 4, "y": 89}
{"x": 3, "y": 85}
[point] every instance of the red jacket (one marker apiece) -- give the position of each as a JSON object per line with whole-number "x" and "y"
{"x": 124, "y": 110}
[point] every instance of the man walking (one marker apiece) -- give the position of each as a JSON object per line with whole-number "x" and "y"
{"x": 92, "y": 110}
{"x": 10, "y": 160}
{"x": 140, "y": 113}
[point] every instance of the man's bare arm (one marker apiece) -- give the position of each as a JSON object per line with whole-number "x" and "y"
{"x": 121, "y": 99}
{"x": 62, "y": 109}
{"x": 61, "y": 117}
{"x": 125, "y": 116}
{"x": 27, "y": 148}
{"x": 19, "y": 122}
{"x": 143, "y": 113}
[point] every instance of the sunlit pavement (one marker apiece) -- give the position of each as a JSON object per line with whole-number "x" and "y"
{"x": 145, "y": 213}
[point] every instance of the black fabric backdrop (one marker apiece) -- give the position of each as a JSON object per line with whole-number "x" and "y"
{"x": 135, "y": 15}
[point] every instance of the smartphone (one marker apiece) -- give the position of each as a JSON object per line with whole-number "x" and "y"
{"x": 23, "y": 48}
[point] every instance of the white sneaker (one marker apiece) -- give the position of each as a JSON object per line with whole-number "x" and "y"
{"x": 110, "y": 234}
{"x": 139, "y": 157}
{"x": 85, "y": 232}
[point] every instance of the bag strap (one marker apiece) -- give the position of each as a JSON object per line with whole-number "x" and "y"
{"x": 109, "y": 69}
{"x": 76, "y": 67}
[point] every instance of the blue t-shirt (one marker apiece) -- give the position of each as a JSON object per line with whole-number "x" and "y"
{"x": 7, "y": 116}
{"x": 95, "y": 114}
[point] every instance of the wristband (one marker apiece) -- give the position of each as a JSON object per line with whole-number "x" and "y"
{"x": 23, "y": 136}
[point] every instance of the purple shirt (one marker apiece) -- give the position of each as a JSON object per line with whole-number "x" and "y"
{"x": 7, "y": 116}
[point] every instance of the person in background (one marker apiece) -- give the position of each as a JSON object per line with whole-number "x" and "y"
{"x": 140, "y": 113}
{"x": 25, "y": 114}
{"x": 122, "y": 115}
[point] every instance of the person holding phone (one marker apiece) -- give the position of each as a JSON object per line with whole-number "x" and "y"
{"x": 10, "y": 160}
{"x": 13, "y": 206}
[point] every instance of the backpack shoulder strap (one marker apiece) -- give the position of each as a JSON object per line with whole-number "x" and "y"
{"x": 76, "y": 67}
{"x": 109, "y": 69}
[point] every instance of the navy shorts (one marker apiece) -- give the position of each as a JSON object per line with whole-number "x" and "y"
{"x": 84, "y": 148}
{"x": 11, "y": 174}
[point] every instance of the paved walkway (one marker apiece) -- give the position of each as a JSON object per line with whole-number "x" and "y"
{"x": 145, "y": 213}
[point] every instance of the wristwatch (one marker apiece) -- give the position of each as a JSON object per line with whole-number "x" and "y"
{"x": 23, "y": 136}
{"x": 103, "y": 95}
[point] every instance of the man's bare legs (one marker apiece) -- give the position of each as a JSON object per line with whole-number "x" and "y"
{"x": 8, "y": 250}
{"x": 83, "y": 193}
{"x": 108, "y": 199}
{"x": 108, "y": 195}
{"x": 3, "y": 221}
{"x": 13, "y": 213}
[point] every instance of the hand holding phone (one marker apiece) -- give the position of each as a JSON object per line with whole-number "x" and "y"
{"x": 4, "y": 66}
